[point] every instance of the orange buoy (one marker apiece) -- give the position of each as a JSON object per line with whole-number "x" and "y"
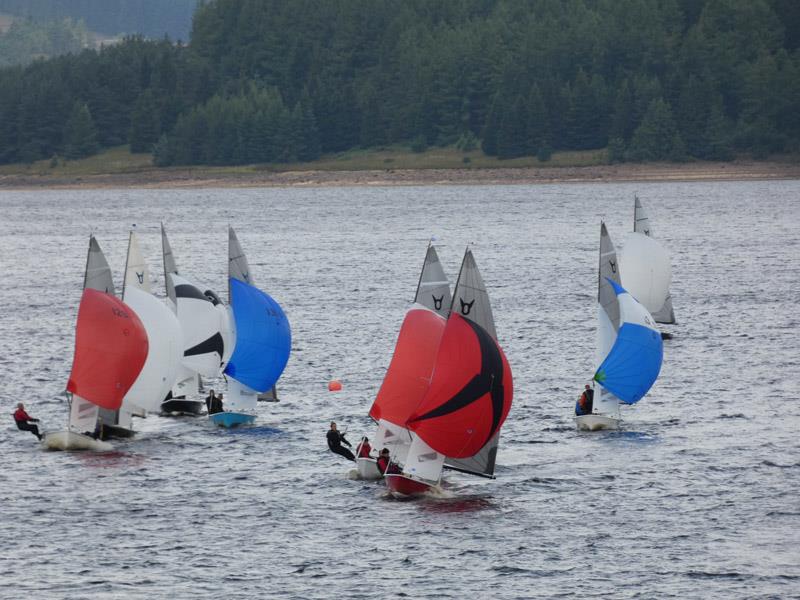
{"x": 334, "y": 385}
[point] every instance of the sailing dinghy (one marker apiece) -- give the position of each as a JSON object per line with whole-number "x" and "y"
{"x": 207, "y": 336}
{"x": 263, "y": 341}
{"x": 629, "y": 346}
{"x": 448, "y": 395}
{"x": 433, "y": 294}
{"x": 645, "y": 267}
{"x": 110, "y": 350}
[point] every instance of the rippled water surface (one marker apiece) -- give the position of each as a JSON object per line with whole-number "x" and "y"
{"x": 696, "y": 497}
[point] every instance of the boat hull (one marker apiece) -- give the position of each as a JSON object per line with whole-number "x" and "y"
{"x": 108, "y": 432}
{"x": 180, "y": 406}
{"x": 404, "y": 487}
{"x": 69, "y": 440}
{"x": 596, "y": 422}
{"x": 368, "y": 468}
{"x": 231, "y": 419}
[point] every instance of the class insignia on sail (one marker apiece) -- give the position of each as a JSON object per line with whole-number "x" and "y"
{"x": 447, "y": 392}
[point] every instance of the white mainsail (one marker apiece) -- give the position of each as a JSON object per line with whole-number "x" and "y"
{"x": 608, "y": 318}
{"x": 433, "y": 289}
{"x": 241, "y": 398}
{"x": 646, "y": 269}
{"x": 471, "y": 301}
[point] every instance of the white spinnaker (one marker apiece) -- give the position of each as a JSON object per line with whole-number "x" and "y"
{"x": 646, "y": 272}
{"x": 82, "y": 415}
{"x": 202, "y": 325}
{"x": 165, "y": 350}
{"x": 136, "y": 272}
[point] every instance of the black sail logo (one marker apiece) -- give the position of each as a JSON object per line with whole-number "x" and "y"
{"x": 466, "y": 307}
{"x": 140, "y": 276}
{"x": 488, "y": 381}
{"x": 437, "y": 302}
{"x": 613, "y": 266}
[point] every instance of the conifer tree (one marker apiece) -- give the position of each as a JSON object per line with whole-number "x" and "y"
{"x": 80, "y": 135}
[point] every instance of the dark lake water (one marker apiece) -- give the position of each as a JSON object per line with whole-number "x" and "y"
{"x": 697, "y": 496}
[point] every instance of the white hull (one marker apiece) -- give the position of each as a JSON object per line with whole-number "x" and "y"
{"x": 368, "y": 468}
{"x": 69, "y": 440}
{"x": 596, "y": 422}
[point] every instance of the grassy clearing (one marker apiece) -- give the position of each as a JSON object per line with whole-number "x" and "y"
{"x": 119, "y": 160}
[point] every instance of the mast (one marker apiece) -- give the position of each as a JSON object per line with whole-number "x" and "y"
{"x": 127, "y": 259}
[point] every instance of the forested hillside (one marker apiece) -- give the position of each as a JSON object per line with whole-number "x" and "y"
{"x": 285, "y": 80}
{"x": 151, "y": 18}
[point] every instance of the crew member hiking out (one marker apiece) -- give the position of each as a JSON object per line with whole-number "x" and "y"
{"x": 25, "y": 422}
{"x": 335, "y": 439}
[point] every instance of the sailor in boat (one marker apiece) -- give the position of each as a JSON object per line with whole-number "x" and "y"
{"x": 215, "y": 406}
{"x": 383, "y": 461}
{"x": 363, "y": 449}
{"x": 25, "y": 422}
{"x": 210, "y": 401}
{"x": 335, "y": 439}
{"x": 585, "y": 403}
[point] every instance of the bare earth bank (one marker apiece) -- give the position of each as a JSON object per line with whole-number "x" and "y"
{"x": 220, "y": 177}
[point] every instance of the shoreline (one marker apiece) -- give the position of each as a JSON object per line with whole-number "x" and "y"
{"x": 195, "y": 177}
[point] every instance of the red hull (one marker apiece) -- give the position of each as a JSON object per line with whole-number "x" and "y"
{"x": 400, "y": 484}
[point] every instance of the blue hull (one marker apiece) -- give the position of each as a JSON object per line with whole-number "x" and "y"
{"x": 231, "y": 419}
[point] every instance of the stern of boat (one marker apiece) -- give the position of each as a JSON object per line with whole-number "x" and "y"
{"x": 596, "y": 422}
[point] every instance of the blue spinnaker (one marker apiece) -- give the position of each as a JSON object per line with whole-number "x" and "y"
{"x": 633, "y": 364}
{"x": 634, "y": 361}
{"x": 263, "y": 338}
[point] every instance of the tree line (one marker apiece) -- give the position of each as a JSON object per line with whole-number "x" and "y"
{"x": 151, "y": 18}
{"x": 278, "y": 80}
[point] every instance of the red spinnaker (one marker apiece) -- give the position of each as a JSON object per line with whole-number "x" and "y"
{"x": 409, "y": 374}
{"x": 110, "y": 349}
{"x": 470, "y": 395}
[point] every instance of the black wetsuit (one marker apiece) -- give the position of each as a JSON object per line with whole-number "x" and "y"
{"x": 335, "y": 440}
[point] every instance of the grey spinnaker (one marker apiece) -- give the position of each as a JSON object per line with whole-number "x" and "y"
{"x": 98, "y": 273}
{"x": 471, "y": 301}
{"x": 433, "y": 289}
